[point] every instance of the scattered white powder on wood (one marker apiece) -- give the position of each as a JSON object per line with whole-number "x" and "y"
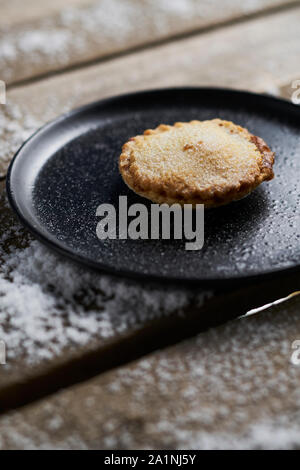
{"x": 48, "y": 304}
{"x": 15, "y": 127}
{"x": 106, "y": 26}
{"x": 231, "y": 387}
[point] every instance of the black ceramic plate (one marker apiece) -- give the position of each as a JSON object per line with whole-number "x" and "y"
{"x": 70, "y": 166}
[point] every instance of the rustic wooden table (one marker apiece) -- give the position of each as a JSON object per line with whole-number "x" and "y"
{"x": 71, "y": 335}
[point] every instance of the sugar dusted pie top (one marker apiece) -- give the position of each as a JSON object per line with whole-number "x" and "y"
{"x": 205, "y": 162}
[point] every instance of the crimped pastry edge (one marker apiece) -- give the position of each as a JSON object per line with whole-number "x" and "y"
{"x": 210, "y": 197}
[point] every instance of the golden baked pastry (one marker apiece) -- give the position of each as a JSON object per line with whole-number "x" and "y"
{"x": 199, "y": 162}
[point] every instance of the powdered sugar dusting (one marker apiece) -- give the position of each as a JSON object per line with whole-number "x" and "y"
{"x": 17, "y": 123}
{"x": 231, "y": 387}
{"x": 48, "y": 304}
{"x": 15, "y": 127}
{"x": 104, "y": 27}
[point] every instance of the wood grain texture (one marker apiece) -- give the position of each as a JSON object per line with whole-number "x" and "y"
{"x": 231, "y": 387}
{"x": 85, "y": 323}
{"x": 49, "y": 36}
{"x": 63, "y": 324}
{"x": 16, "y": 12}
{"x": 265, "y": 57}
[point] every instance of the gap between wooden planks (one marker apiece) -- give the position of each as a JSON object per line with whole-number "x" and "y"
{"x": 265, "y": 59}
{"x": 37, "y": 41}
{"x": 234, "y": 386}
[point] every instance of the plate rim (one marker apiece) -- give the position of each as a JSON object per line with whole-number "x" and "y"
{"x": 104, "y": 269}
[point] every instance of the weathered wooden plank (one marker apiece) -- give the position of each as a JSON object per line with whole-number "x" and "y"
{"x": 48, "y": 36}
{"x": 61, "y": 322}
{"x": 234, "y": 386}
{"x": 265, "y": 58}
{"x": 14, "y": 13}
